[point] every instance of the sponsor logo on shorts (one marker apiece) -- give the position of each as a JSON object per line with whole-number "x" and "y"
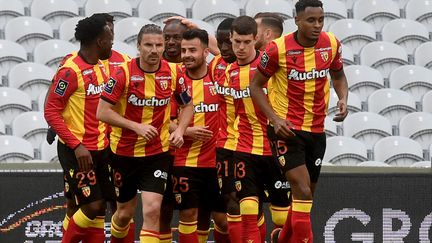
{"x": 117, "y": 191}
{"x": 66, "y": 187}
{"x": 282, "y": 185}
{"x": 238, "y": 185}
{"x": 86, "y": 191}
{"x": 220, "y": 183}
{"x": 160, "y": 174}
{"x": 318, "y": 162}
{"x": 281, "y": 160}
{"x": 178, "y": 198}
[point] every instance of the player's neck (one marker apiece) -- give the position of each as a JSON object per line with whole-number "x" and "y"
{"x": 176, "y": 59}
{"x": 197, "y": 73}
{"x": 247, "y": 60}
{"x": 89, "y": 56}
{"x": 148, "y": 68}
{"x": 303, "y": 41}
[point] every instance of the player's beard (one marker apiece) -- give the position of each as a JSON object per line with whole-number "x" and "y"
{"x": 192, "y": 63}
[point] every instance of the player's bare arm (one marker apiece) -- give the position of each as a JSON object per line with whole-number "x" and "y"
{"x": 340, "y": 85}
{"x": 185, "y": 117}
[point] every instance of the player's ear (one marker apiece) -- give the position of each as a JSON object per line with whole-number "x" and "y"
{"x": 206, "y": 51}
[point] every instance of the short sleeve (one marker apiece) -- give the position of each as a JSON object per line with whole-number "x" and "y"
{"x": 114, "y": 86}
{"x": 269, "y": 63}
{"x": 337, "y": 63}
{"x": 181, "y": 92}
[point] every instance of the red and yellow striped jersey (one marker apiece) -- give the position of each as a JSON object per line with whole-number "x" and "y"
{"x": 144, "y": 98}
{"x": 205, "y": 102}
{"x": 115, "y": 60}
{"x": 300, "y": 84}
{"x": 252, "y": 122}
{"x": 72, "y": 102}
{"x": 217, "y": 67}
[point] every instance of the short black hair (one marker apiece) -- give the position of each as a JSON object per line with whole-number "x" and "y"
{"x": 225, "y": 25}
{"x": 244, "y": 25}
{"x": 88, "y": 29}
{"x": 175, "y": 22}
{"x": 301, "y": 5}
{"x": 272, "y": 20}
{"x": 149, "y": 29}
{"x": 202, "y": 35}
{"x": 108, "y": 17}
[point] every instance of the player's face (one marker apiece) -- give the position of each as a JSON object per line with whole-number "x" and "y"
{"x": 243, "y": 45}
{"x": 193, "y": 53}
{"x": 260, "y": 43}
{"x": 151, "y": 48}
{"x": 105, "y": 43}
{"x": 173, "y": 35}
{"x": 310, "y": 23}
{"x": 225, "y": 46}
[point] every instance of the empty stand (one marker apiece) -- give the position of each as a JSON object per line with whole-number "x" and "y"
{"x": 354, "y": 103}
{"x": 67, "y": 29}
{"x": 406, "y": 33}
{"x": 353, "y": 33}
{"x": 344, "y": 151}
{"x": 117, "y": 8}
{"x": 422, "y": 55}
{"x": 333, "y": 10}
{"x": 214, "y": 11}
{"x": 12, "y": 103}
{"x": 33, "y": 78}
{"x": 417, "y": 126}
{"x": 330, "y": 127}
{"x": 398, "y": 151}
{"x": 54, "y": 11}
{"x": 2, "y": 128}
{"x": 127, "y": 29}
{"x": 41, "y": 101}
{"x": 347, "y": 56}
{"x": 204, "y": 25}
{"x": 363, "y": 80}
{"x": 49, "y": 152}
{"x": 30, "y": 126}
{"x": 427, "y": 102}
{"x": 421, "y": 11}
{"x": 415, "y": 80}
{"x": 282, "y": 7}
{"x": 391, "y": 103}
{"x": 383, "y": 56}
{"x": 51, "y": 52}
{"x": 373, "y": 164}
{"x": 28, "y": 31}
{"x": 376, "y": 12}
{"x": 289, "y": 26}
{"x": 9, "y": 10}
{"x": 11, "y": 54}
{"x": 421, "y": 164}
{"x": 125, "y": 49}
{"x": 157, "y": 11}
{"x": 15, "y": 149}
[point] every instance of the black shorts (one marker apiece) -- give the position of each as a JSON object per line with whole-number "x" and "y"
{"x": 304, "y": 148}
{"x": 86, "y": 187}
{"x": 225, "y": 170}
{"x": 256, "y": 174}
{"x": 168, "y": 197}
{"x": 197, "y": 187}
{"x": 147, "y": 174}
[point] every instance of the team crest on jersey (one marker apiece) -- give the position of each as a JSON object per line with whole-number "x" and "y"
{"x": 212, "y": 90}
{"x": 109, "y": 87}
{"x": 281, "y": 160}
{"x": 86, "y": 191}
{"x": 233, "y": 73}
{"x": 264, "y": 60}
{"x": 178, "y": 198}
{"x": 324, "y": 56}
{"x": 61, "y": 87}
{"x": 163, "y": 84}
{"x": 221, "y": 67}
{"x": 238, "y": 185}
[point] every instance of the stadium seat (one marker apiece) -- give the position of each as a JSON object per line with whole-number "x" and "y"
{"x": 127, "y": 29}
{"x": 13, "y": 102}
{"x": 28, "y": 31}
{"x": 9, "y": 10}
{"x": 415, "y": 80}
{"x": 405, "y": 32}
{"x": 33, "y": 78}
{"x": 51, "y": 52}
{"x": 376, "y": 12}
{"x": 333, "y": 10}
{"x": 215, "y": 11}
{"x": 391, "y": 103}
{"x": 344, "y": 151}
{"x": 289, "y": 26}
{"x": 54, "y": 11}
{"x": 118, "y": 8}
{"x": 421, "y": 11}
{"x": 427, "y": 102}
{"x": 417, "y": 126}
{"x": 41, "y": 101}
{"x": 421, "y": 164}
{"x": 15, "y": 149}
{"x": 2, "y": 127}
{"x": 347, "y": 56}
{"x": 30, "y": 126}
{"x": 422, "y": 55}
{"x": 373, "y": 164}
{"x": 367, "y": 127}
{"x": 67, "y": 29}
{"x": 330, "y": 127}
{"x": 282, "y": 7}
{"x": 157, "y": 11}
{"x": 353, "y": 33}
{"x": 383, "y": 56}
{"x": 205, "y": 26}
{"x": 354, "y": 103}
{"x": 125, "y": 49}
{"x": 363, "y": 80}
{"x": 11, "y": 54}
{"x": 49, "y": 152}
{"x": 398, "y": 151}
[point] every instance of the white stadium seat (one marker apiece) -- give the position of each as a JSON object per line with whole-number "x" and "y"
{"x": 157, "y": 11}
{"x": 354, "y": 103}
{"x": 54, "y": 11}
{"x": 215, "y": 11}
{"x": 49, "y": 152}
{"x": 367, "y": 127}
{"x": 421, "y": 11}
{"x": 391, "y": 103}
{"x": 51, "y": 52}
{"x": 422, "y": 55}
{"x": 417, "y": 126}
{"x": 334, "y": 10}
{"x": 9, "y": 10}
{"x": 67, "y": 29}
{"x": 383, "y": 56}
{"x": 15, "y": 149}
{"x": 11, "y": 54}
{"x": 125, "y": 49}
{"x": 376, "y": 12}
{"x": 204, "y": 25}
{"x": 13, "y": 102}
{"x": 421, "y": 164}
{"x": 330, "y": 127}
{"x": 2, "y": 128}
{"x": 30, "y": 126}
{"x": 289, "y": 26}
{"x": 415, "y": 80}
{"x": 344, "y": 151}
{"x": 373, "y": 164}
{"x": 28, "y": 31}
{"x": 33, "y": 78}
{"x": 118, "y": 8}
{"x": 347, "y": 55}
{"x": 127, "y": 29}
{"x": 363, "y": 80}
{"x": 427, "y": 102}
{"x": 405, "y": 32}
{"x": 282, "y": 7}
{"x": 398, "y": 151}
{"x": 41, "y": 101}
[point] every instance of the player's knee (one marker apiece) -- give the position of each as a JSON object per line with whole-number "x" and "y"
{"x": 249, "y": 206}
{"x": 125, "y": 214}
{"x": 152, "y": 211}
{"x": 302, "y": 192}
{"x": 95, "y": 208}
{"x": 189, "y": 215}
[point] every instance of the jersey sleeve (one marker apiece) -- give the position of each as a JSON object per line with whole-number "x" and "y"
{"x": 337, "y": 63}
{"x": 269, "y": 63}
{"x": 63, "y": 86}
{"x": 174, "y": 109}
{"x": 114, "y": 86}
{"x": 181, "y": 93}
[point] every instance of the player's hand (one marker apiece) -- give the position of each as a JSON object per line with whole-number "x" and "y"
{"x": 200, "y": 133}
{"x": 283, "y": 128}
{"x": 343, "y": 111}
{"x": 84, "y": 158}
{"x": 189, "y": 24}
{"x": 51, "y": 134}
{"x": 148, "y": 132}
{"x": 176, "y": 139}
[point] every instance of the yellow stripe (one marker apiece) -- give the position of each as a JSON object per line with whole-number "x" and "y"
{"x": 249, "y": 206}
{"x": 279, "y": 82}
{"x": 187, "y": 227}
{"x": 98, "y": 223}
{"x": 232, "y": 128}
{"x": 309, "y": 63}
{"x": 303, "y": 207}
{"x": 198, "y": 120}
{"x": 203, "y": 235}
{"x": 261, "y": 220}
{"x": 66, "y": 222}
{"x": 81, "y": 219}
{"x": 233, "y": 218}
{"x": 101, "y": 126}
